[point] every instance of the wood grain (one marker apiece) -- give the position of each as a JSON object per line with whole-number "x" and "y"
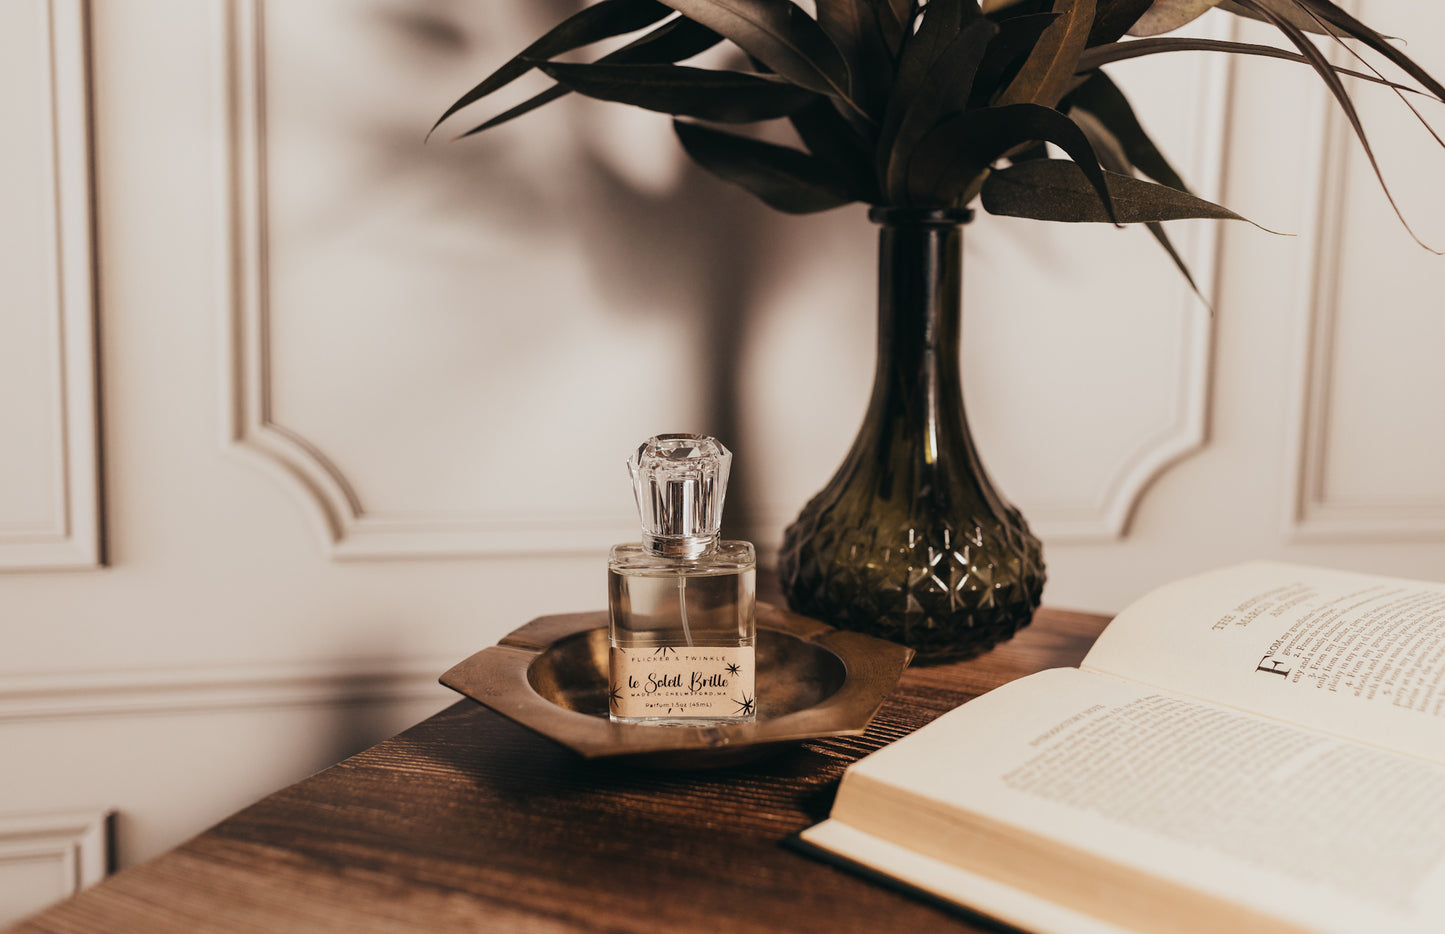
{"x": 468, "y": 822}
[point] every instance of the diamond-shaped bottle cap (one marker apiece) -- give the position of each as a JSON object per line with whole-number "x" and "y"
{"x": 680, "y": 481}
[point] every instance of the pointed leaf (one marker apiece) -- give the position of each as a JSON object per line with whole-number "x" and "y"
{"x": 1285, "y": 8}
{"x": 1017, "y": 36}
{"x": 1168, "y": 15}
{"x": 724, "y": 96}
{"x": 1048, "y": 70}
{"x": 831, "y": 138}
{"x": 951, "y": 159}
{"x": 786, "y": 179}
{"x": 1114, "y": 18}
{"x": 600, "y": 21}
{"x": 1102, "y": 98}
{"x": 675, "y": 40}
{"x": 1114, "y": 158}
{"x": 1093, "y": 59}
{"x": 854, "y": 27}
{"x": 1161, "y": 237}
{"x": 1058, "y": 190}
{"x": 895, "y": 21}
{"x": 1350, "y": 26}
{"x": 942, "y": 21}
{"x": 782, "y": 36}
{"x": 1326, "y": 71}
{"x": 944, "y": 90}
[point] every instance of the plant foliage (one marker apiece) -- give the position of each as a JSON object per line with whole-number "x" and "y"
{"x": 931, "y": 104}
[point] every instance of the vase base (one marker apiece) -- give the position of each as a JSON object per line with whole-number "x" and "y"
{"x": 955, "y": 639}
{"x": 946, "y": 596}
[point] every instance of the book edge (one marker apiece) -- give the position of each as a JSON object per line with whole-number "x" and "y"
{"x": 963, "y": 894}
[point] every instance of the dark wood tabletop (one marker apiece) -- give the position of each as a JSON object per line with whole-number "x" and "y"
{"x": 468, "y": 822}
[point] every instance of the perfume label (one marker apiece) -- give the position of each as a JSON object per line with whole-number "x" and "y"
{"x": 678, "y": 681}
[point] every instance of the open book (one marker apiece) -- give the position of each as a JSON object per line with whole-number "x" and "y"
{"x": 1260, "y": 748}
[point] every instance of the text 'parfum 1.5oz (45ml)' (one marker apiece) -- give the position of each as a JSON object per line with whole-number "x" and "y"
{"x": 681, "y": 603}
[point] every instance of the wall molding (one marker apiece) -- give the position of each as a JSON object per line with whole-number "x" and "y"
{"x": 351, "y": 531}
{"x": 73, "y": 537}
{"x": 1312, "y": 514}
{"x": 1186, "y": 430}
{"x": 199, "y": 688}
{"x": 348, "y": 529}
{"x": 78, "y": 842}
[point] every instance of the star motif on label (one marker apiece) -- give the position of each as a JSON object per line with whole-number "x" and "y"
{"x": 745, "y": 706}
{"x": 663, "y": 650}
{"x": 732, "y": 669}
{"x": 614, "y": 698}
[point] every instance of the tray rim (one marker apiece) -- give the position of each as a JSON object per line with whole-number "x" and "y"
{"x": 496, "y": 677}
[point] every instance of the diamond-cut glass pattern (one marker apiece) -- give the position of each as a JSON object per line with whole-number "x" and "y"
{"x": 910, "y": 541}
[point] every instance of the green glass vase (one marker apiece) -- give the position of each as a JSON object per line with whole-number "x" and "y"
{"x": 910, "y": 541}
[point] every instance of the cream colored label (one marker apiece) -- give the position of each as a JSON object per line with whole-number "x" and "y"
{"x": 678, "y": 681}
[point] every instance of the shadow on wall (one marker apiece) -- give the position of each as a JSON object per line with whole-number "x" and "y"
{"x": 576, "y": 183}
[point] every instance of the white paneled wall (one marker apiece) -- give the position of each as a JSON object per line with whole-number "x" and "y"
{"x": 359, "y": 404}
{"x": 49, "y": 510}
{"x": 45, "y": 857}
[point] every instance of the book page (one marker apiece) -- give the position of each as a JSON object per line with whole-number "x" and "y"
{"x": 1151, "y": 811}
{"x": 1356, "y": 655}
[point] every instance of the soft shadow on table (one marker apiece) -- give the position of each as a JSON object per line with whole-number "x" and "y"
{"x": 520, "y": 768}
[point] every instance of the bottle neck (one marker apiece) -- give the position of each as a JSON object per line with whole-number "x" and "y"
{"x": 918, "y": 387}
{"x": 681, "y": 547}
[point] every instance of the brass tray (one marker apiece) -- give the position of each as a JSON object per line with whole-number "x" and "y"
{"x": 812, "y": 681}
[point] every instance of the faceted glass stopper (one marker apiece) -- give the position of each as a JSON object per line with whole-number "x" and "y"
{"x": 680, "y": 481}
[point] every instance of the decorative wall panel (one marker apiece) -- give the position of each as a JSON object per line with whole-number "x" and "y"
{"x": 449, "y": 348}
{"x": 50, "y": 856}
{"x": 432, "y": 342}
{"x": 1371, "y": 462}
{"x": 218, "y": 687}
{"x": 49, "y": 479}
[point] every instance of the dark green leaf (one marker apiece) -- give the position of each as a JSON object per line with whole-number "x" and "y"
{"x": 1114, "y": 158}
{"x": 1113, "y": 18}
{"x": 1058, "y": 190}
{"x": 1168, "y": 15}
{"x": 855, "y": 29}
{"x": 675, "y": 40}
{"x": 1326, "y": 72}
{"x": 1093, "y": 59}
{"x": 784, "y": 178}
{"x": 1285, "y": 8}
{"x": 1161, "y": 237}
{"x": 896, "y": 17}
{"x": 944, "y": 90}
{"x": 600, "y": 21}
{"x": 512, "y": 113}
{"x": 1334, "y": 21}
{"x": 1017, "y": 36}
{"x": 942, "y": 21}
{"x": 1102, "y": 98}
{"x": 1046, "y": 74}
{"x": 833, "y": 139}
{"x": 724, "y": 96}
{"x": 950, "y": 160}
{"x": 782, "y": 36}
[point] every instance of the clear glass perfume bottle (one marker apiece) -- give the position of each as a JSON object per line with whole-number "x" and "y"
{"x": 681, "y": 601}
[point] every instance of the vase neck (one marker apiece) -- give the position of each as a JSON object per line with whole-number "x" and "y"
{"x": 918, "y": 381}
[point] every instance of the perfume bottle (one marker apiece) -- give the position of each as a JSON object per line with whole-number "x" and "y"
{"x": 681, "y": 602}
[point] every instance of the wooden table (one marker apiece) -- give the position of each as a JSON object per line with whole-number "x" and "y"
{"x": 467, "y": 822}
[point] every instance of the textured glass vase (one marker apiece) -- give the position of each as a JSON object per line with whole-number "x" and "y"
{"x": 910, "y": 541}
